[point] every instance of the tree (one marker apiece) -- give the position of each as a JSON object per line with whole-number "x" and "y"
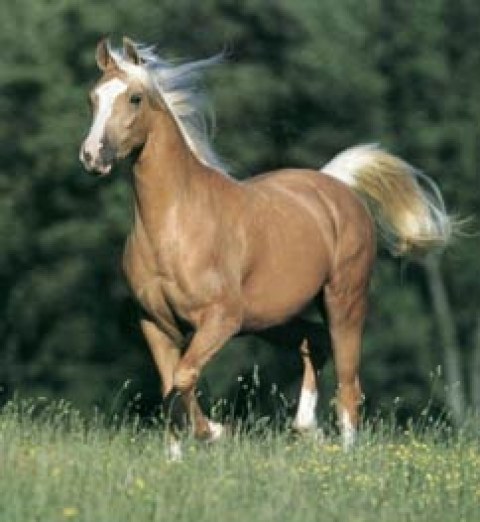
{"x": 301, "y": 82}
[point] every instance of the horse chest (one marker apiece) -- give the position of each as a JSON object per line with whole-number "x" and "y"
{"x": 145, "y": 280}
{"x": 164, "y": 290}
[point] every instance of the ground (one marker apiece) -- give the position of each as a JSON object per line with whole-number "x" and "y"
{"x": 54, "y": 465}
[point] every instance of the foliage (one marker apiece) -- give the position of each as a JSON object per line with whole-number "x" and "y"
{"x": 302, "y": 81}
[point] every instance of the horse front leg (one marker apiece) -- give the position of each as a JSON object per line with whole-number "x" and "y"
{"x": 218, "y": 324}
{"x": 166, "y": 355}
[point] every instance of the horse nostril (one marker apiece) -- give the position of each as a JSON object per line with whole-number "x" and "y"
{"x": 87, "y": 156}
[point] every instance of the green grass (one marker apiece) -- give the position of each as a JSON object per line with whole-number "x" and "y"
{"x": 55, "y": 466}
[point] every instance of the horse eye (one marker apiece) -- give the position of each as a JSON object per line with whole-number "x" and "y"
{"x": 135, "y": 99}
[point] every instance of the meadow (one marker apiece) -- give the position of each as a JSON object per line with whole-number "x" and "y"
{"x": 55, "y": 465}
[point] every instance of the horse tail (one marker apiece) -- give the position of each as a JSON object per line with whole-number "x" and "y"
{"x": 407, "y": 205}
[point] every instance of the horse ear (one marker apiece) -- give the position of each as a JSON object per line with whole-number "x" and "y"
{"x": 130, "y": 51}
{"x": 103, "y": 56}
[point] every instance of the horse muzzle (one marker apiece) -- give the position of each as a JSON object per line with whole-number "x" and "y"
{"x": 101, "y": 162}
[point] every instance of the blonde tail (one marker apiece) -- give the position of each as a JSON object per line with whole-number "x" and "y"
{"x": 406, "y": 205}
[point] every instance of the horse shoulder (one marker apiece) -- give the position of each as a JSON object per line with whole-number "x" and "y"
{"x": 147, "y": 285}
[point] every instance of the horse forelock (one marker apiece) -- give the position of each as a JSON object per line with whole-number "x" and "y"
{"x": 178, "y": 87}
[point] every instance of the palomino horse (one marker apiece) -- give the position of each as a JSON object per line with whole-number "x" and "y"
{"x": 213, "y": 256}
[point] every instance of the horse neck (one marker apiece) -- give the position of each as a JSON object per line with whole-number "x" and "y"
{"x": 166, "y": 175}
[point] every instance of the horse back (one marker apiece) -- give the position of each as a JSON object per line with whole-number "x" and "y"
{"x": 305, "y": 230}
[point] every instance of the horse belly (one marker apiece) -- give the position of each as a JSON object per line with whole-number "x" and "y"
{"x": 283, "y": 286}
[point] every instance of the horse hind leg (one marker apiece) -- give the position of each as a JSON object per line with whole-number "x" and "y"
{"x": 306, "y": 416}
{"x": 346, "y": 313}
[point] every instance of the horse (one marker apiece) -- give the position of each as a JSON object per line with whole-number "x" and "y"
{"x": 209, "y": 257}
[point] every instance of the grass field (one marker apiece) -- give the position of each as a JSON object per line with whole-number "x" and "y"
{"x": 55, "y": 466}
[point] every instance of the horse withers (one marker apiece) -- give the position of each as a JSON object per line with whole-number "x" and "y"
{"x": 217, "y": 256}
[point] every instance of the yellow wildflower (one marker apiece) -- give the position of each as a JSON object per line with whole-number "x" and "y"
{"x": 70, "y": 512}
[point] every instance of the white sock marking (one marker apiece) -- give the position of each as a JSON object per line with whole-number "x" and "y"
{"x": 306, "y": 419}
{"x": 348, "y": 431}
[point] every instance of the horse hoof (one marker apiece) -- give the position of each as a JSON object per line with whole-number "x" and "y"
{"x": 313, "y": 432}
{"x": 216, "y": 431}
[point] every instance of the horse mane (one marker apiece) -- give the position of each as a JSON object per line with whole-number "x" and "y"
{"x": 178, "y": 85}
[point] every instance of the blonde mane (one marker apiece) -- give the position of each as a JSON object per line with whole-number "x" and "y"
{"x": 178, "y": 86}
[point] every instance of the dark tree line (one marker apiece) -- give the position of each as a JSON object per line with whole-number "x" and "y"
{"x": 302, "y": 81}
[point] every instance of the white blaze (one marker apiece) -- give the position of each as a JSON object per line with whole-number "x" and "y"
{"x": 107, "y": 94}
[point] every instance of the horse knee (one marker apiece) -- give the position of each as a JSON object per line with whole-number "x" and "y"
{"x": 185, "y": 378}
